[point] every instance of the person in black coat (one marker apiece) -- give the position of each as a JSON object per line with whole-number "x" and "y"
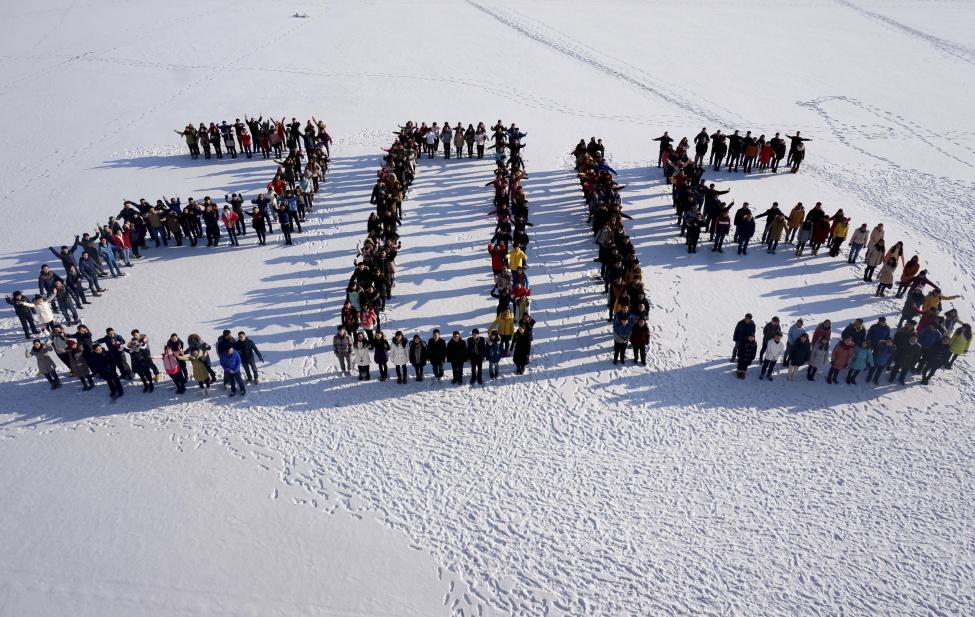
{"x": 744, "y": 232}
{"x": 747, "y": 351}
{"x": 103, "y": 365}
{"x": 476, "y": 350}
{"x": 744, "y": 329}
{"x": 521, "y": 348}
{"x": 905, "y": 357}
{"x": 935, "y": 357}
{"x": 115, "y": 349}
{"x": 799, "y": 353}
{"x": 247, "y": 350}
{"x": 437, "y": 353}
{"x": 855, "y": 331}
{"x": 457, "y": 356}
{"x": 24, "y": 314}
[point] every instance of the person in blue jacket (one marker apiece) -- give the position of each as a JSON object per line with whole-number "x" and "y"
{"x": 879, "y": 331}
{"x": 230, "y": 361}
{"x": 623, "y": 323}
{"x": 883, "y": 353}
{"x": 927, "y": 338}
{"x": 862, "y": 359}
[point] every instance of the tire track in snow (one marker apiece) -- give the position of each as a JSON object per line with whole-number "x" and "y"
{"x": 950, "y": 48}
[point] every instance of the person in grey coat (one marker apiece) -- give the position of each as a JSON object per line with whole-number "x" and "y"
{"x": 42, "y": 352}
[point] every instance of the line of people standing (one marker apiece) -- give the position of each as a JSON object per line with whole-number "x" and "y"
{"x": 619, "y": 266}
{"x": 911, "y": 348}
{"x": 255, "y": 136}
{"x": 746, "y": 152}
{"x": 115, "y": 361}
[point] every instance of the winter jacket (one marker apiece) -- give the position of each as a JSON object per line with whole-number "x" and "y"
{"x": 882, "y": 354}
{"x": 437, "y": 351}
{"x": 770, "y": 330}
{"x": 857, "y": 334}
{"x": 743, "y": 330}
{"x": 907, "y": 355}
{"x": 521, "y": 345}
{"x": 859, "y": 237}
{"x": 342, "y": 345}
{"x": 476, "y": 347}
{"x": 773, "y": 350}
{"x": 799, "y": 353}
{"x": 796, "y": 216}
{"x": 397, "y": 353}
{"x": 516, "y": 258}
{"x": 874, "y": 255}
{"x": 959, "y": 344}
{"x": 877, "y": 333}
{"x": 842, "y": 354}
{"x": 911, "y": 269}
{"x": 494, "y": 350}
{"x": 247, "y": 350}
{"x": 928, "y": 338}
{"x": 640, "y": 335}
{"x": 45, "y": 363}
{"x": 886, "y": 275}
{"x": 79, "y": 366}
{"x": 818, "y": 356}
{"x": 794, "y": 333}
{"x": 361, "y": 352}
{"x": 230, "y": 361}
{"x": 43, "y": 308}
{"x": 200, "y": 372}
{"x": 456, "y": 350}
{"x": 21, "y": 307}
{"x": 747, "y": 350}
{"x": 862, "y": 359}
{"x": 102, "y": 365}
{"x": 380, "y": 351}
{"x": 936, "y": 355}
{"x": 504, "y": 324}
{"x": 623, "y": 326}
{"x": 418, "y": 353}
{"x": 746, "y": 229}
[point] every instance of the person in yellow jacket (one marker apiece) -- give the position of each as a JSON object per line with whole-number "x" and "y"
{"x": 841, "y": 227}
{"x": 934, "y": 298}
{"x": 959, "y": 343}
{"x": 505, "y": 325}
{"x": 796, "y": 216}
{"x": 517, "y": 258}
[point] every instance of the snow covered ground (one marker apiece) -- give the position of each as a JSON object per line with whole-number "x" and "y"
{"x": 582, "y": 488}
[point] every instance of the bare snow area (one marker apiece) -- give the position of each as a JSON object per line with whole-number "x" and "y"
{"x": 581, "y": 488}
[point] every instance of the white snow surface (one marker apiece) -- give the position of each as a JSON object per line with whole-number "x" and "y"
{"x": 579, "y": 489}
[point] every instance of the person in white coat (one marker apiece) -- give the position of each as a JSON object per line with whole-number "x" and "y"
{"x": 42, "y": 308}
{"x": 399, "y": 356}
{"x": 360, "y": 349}
{"x": 857, "y": 241}
{"x": 773, "y": 351}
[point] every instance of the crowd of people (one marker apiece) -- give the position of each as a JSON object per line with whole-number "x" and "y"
{"x": 747, "y": 152}
{"x": 255, "y": 136}
{"x": 914, "y": 347}
{"x": 122, "y": 239}
{"x": 628, "y": 307}
{"x": 115, "y": 361}
{"x": 360, "y": 341}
